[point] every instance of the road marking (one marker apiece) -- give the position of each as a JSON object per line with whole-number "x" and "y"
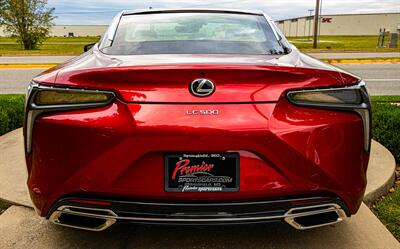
{"x": 363, "y": 61}
{"x": 11, "y": 66}
{"x": 331, "y": 61}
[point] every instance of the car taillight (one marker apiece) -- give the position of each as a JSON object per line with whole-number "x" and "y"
{"x": 62, "y": 97}
{"x": 352, "y": 98}
{"x": 41, "y": 99}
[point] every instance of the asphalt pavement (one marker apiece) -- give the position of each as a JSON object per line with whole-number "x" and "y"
{"x": 60, "y": 59}
{"x": 15, "y": 80}
{"x": 381, "y": 79}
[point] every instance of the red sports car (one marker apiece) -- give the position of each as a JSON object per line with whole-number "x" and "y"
{"x": 191, "y": 117}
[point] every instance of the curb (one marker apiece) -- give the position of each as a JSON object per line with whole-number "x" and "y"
{"x": 372, "y": 196}
{"x": 13, "y": 173}
{"x": 385, "y": 169}
{"x": 6, "y": 203}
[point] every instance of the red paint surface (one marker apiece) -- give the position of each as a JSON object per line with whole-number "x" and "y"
{"x": 118, "y": 150}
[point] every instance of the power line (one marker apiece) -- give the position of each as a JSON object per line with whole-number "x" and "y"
{"x": 316, "y": 22}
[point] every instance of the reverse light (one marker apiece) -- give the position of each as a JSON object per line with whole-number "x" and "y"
{"x": 42, "y": 99}
{"x": 352, "y": 98}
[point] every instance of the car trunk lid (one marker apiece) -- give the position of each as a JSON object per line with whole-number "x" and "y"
{"x": 171, "y": 84}
{"x": 167, "y": 78}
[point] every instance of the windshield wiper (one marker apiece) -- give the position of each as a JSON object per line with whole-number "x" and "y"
{"x": 285, "y": 48}
{"x": 275, "y": 52}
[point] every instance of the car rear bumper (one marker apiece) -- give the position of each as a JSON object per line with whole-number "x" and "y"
{"x": 99, "y": 214}
{"x": 118, "y": 151}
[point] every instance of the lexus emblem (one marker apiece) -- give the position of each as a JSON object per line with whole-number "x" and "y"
{"x": 202, "y": 87}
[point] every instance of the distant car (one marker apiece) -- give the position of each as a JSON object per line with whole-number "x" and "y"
{"x": 196, "y": 117}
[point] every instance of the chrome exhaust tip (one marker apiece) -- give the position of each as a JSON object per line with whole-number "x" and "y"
{"x": 303, "y": 218}
{"x": 90, "y": 219}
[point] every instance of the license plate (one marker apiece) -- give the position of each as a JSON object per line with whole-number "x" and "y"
{"x": 201, "y": 172}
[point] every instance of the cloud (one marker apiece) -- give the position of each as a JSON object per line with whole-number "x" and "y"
{"x": 101, "y": 12}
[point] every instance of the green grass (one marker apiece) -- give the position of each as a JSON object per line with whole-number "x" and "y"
{"x": 385, "y": 125}
{"x": 52, "y": 46}
{"x": 11, "y": 112}
{"x": 386, "y": 98}
{"x": 388, "y": 211}
{"x": 341, "y": 43}
{"x": 386, "y": 122}
{"x": 74, "y": 45}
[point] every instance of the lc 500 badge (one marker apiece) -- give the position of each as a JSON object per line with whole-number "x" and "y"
{"x": 202, "y": 112}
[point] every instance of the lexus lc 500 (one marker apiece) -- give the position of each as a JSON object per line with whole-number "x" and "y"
{"x": 196, "y": 117}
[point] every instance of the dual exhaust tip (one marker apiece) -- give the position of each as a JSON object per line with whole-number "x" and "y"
{"x": 90, "y": 219}
{"x": 94, "y": 219}
{"x": 303, "y": 218}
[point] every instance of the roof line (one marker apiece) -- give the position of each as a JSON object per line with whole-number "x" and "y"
{"x": 189, "y": 10}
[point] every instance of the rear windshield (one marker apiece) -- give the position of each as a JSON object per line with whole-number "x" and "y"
{"x": 193, "y": 33}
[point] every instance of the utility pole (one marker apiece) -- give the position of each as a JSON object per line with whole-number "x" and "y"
{"x": 320, "y": 20}
{"x": 309, "y": 25}
{"x": 316, "y": 22}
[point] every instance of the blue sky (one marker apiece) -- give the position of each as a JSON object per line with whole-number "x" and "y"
{"x": 101, "y": 12}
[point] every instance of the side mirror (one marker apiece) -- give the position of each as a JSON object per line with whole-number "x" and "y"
{"x": 88, "y": 47}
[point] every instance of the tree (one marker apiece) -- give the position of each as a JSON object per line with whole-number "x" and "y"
{"x": 28, "y": 20}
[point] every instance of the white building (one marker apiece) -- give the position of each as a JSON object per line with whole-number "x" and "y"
{"x": 74, "y": 30}
{"x": 78, "y": 30}
{"x": 342, "y": 24}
